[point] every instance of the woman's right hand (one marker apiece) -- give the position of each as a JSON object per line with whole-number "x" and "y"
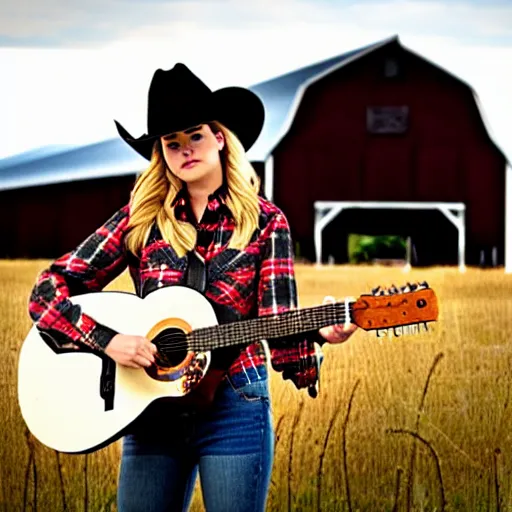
{"x": 131, "y": 351}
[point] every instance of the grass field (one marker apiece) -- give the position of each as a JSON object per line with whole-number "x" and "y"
{"x": 428, "y": 427}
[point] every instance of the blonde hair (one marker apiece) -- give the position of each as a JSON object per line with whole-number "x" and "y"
{"x": 157, "y": 187}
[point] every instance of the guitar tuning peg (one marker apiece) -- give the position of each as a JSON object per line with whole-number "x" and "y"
{"x": 393, "y": 289}
{"x": 381, "y": 333}
{"x": 424, "y": 284}
{"x": 412, "y": 286}
{"x": 375, "y": 290}
{"x": 404, "y": 289}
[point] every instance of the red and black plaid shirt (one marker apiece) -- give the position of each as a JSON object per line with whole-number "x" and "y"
{"x": 258, "y": 280}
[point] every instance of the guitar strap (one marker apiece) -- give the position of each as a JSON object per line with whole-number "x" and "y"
{"x": 196, "y": 272}
{"x": 107, "y": 381}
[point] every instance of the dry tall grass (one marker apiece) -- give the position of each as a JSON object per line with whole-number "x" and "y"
{"x": 437, "y": 404}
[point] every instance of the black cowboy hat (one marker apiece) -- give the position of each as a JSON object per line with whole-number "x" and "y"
{"x": 178, "y": 99}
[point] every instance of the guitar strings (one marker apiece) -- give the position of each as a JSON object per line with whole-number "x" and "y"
{"x": 220, "y": 326}
{"x": 174, "y": 340}
{"x": 170, "y": 335}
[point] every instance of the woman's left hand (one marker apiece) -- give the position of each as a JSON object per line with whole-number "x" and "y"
{"x": 338, "y": 333}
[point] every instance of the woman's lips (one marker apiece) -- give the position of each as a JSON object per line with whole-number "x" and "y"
{"x": 189, "y": 163}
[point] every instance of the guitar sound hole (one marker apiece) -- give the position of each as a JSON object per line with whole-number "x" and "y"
{"x": 172, "y": 347}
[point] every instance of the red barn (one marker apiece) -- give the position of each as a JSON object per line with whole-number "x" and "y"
{"x": 384, "y": 124}
{"x": 377, "y": 124}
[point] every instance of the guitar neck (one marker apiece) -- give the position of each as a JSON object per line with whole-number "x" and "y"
{"x": 268, "y": 327}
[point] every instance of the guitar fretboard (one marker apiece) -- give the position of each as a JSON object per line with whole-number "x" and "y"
{"x": 267, "y": 327}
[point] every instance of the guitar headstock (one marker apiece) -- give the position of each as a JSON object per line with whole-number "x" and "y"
{"x": 414, "y": 304}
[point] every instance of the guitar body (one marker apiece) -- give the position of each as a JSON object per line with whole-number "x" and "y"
{"x": 59, "y": 393}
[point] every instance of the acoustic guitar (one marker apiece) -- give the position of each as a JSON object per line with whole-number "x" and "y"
{"x": 77, "y": 401}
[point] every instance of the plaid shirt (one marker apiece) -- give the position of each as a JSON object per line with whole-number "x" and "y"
{"x": 258, "y": 280}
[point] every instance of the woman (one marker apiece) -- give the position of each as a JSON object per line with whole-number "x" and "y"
{"x": 194, "y": 218}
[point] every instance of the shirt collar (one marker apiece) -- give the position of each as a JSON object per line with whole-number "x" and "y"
{"x": 216, "y": 204}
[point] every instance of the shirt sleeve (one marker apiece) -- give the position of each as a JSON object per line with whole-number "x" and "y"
{"x": 88, "y": 268}
{"x": 298, "y": 357}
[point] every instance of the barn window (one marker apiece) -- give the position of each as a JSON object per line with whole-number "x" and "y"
{"x": 391, "y": 68}
{"x": 387, "y": 119}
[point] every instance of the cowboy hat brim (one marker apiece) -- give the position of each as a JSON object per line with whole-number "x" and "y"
{"x": 237, "y": 108}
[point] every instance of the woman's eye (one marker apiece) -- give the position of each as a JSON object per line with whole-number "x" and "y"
{"x": 173, "y": 145}
{"x": 196, "y": 137}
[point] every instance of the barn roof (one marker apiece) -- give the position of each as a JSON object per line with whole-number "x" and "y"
{"x": 282, "y": 94}
{"x": 113, "y": 157}
{"x": 109, "y": 158}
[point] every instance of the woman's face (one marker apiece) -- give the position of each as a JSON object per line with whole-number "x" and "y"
{"x": 193, "y": 154}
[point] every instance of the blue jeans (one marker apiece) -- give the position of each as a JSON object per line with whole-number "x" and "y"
{"x": 232, "y": 448}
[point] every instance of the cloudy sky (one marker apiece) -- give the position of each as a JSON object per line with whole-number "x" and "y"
{"x": 69, "y": 68}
